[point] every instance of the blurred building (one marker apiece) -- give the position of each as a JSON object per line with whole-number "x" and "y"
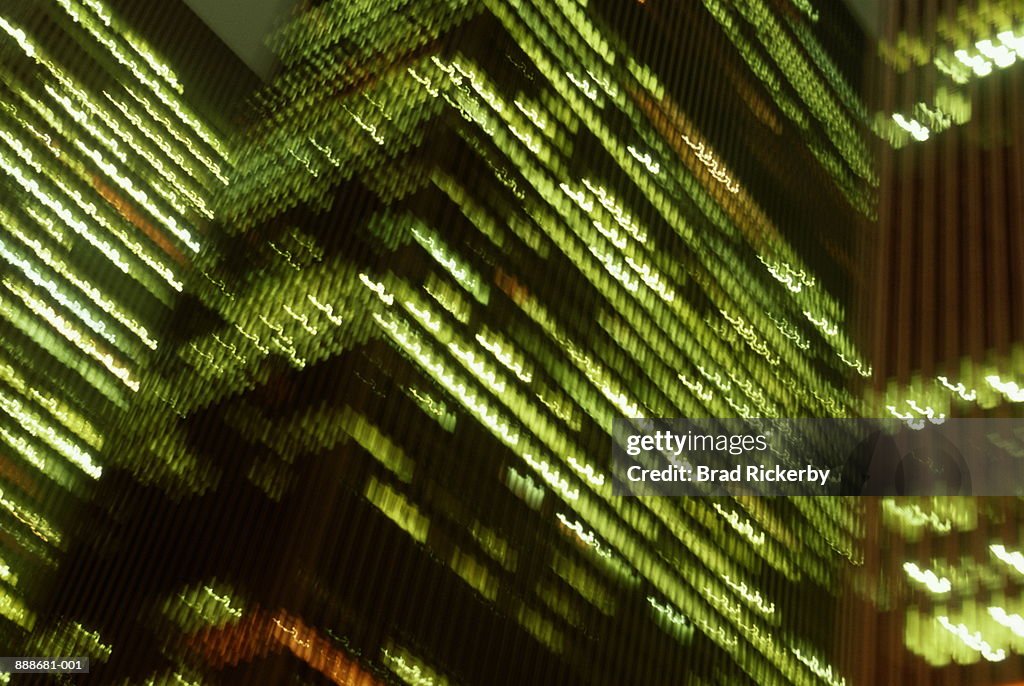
{"x": 937, "y": 599}
{"x": 943, "y": 575}
{"x": 108, "y": 174}
{"x": 946, "y": 316}
{"x": 329, "y": 402}
{"x": 462, "y": 237}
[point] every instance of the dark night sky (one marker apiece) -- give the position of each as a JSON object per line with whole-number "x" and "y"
{"x": 869, "y": 13}
{"x": 243, "y": 24}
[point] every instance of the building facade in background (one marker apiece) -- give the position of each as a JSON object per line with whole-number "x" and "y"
{"x": 944, "y": 329}
{"x": 946, "y": 318}
{"x": 937, "y": 599}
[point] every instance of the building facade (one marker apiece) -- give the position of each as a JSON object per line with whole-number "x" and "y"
{"x": 461, "y": 238}
{"x": 945, "y": 314}
{"x": 108, "y": 176}
{"x": 944, "y": 333}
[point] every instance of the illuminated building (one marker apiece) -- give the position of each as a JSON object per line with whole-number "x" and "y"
{"x": 938, "y": 598}
{"x": 463, "y": 237}
{"x": 945, "y": 316}
{"x": 106, "y": 179}
{"x": 946, "y": 331}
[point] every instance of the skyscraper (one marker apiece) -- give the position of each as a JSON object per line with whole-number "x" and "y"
{"x": 108, "y": 175}
{"x": 945, "y": 333}
{"x": 945, "y": 317}
{"x": 463, "y": 238}
{"x": 937, "y": 598}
